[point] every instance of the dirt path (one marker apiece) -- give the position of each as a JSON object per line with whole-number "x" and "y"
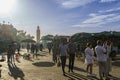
{"x": 45, "y": 69}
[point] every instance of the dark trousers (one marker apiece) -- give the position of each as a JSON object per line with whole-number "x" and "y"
{"x": 49, "y": 49}
{"x": 36, "y": 50}
{"x": 63, "y": 61}
{"x": 71, "y": 61}
{"x": 8, "y": 57}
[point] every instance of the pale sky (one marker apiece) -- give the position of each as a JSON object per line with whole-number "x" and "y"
{"x": 62, "y": 17}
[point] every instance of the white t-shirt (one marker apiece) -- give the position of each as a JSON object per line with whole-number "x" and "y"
{"x": 100, "y": 52}
{"x": 89, "y": 56}
{"x": 89, "y": 53}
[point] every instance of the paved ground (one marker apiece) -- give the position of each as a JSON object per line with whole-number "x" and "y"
{"x": 45, "y": 69}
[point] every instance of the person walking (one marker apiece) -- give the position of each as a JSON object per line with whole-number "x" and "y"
{"x": 71, "y": 53}
{"x": 9, "y": 53}
{"x": 49, "y": 45}
{"x": 32, "y": 48}
{"x": 28, "y": 47}
{"x": 36, "y": 50}
{"x": 89, "y": 53}
{"x": 13, "y": 46}
{"x": 63, "y": 49}
{"x": 41, "y": 47}
{"x": 108, "y": 48}
{"x": 55, "y": 52}
{"x": 18, "y": 48}
{"x": 102, "y": 59}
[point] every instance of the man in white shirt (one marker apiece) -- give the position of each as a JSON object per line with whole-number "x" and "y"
{"x": 101, "y": 57}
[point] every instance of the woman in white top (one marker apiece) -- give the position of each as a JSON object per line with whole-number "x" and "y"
{"x": 89, "y": 58}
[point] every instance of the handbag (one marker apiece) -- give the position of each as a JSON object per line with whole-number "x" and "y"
{"x": 58, "y": 63}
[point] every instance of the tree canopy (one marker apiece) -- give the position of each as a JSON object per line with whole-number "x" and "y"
{"x": 8, "y": 32}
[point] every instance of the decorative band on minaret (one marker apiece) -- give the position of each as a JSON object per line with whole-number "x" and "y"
{"x": 38, "y": 34}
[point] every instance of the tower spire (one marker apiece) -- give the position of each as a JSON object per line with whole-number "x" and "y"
{"x": 38, "y": 34}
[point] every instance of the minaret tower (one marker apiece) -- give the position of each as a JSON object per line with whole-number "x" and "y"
{"x": 38, "y": 34}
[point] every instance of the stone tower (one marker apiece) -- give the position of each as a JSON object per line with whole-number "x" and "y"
{"x": 38, "y": 34}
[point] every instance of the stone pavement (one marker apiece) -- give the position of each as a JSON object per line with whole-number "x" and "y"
{"x": 44, "y": 69}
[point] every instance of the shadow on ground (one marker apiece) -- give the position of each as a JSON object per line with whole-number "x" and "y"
{"x": 114, "y": 78}
{"x": 44, "y": 64}
{"x": 78, "y": 69}
{"x": 76, "y": 76}
{"x": 15, "y": 72}
{"x": 45, "y": 52}
{"x": 116, "y": 63}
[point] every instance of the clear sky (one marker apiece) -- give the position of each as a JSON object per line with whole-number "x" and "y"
{"x": 62, "y": 17}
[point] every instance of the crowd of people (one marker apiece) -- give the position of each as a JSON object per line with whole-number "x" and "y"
{"x": 11, "y": 49}
{"x": 103, "y": 50}
{"x": 32, "y": 50}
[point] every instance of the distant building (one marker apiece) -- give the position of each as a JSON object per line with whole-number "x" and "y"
{"x": 38, "y": 34}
